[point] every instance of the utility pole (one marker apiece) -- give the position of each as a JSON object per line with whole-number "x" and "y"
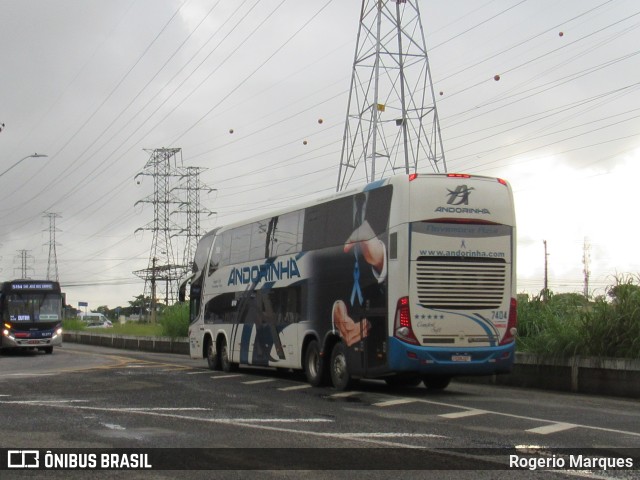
{"x": 586, "y": 259}
{"x": 392, "y": 123}
{"x": 545, "y": 290}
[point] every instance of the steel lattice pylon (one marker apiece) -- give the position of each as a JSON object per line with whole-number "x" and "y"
{"x": 52, "y": 262}
{"x": 190, "y": 209}
{"x": 392, "y": 123}
{"x": 162, "y": 166}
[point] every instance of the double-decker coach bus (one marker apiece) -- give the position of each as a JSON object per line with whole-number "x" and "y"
{"x": 31, "y": 313}
{"x": 409, "y": 279}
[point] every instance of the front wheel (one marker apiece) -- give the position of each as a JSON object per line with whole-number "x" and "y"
{"x": 436, "y": 382}
{"x": 339, "y": 369}
{"x": 314, "y": 365}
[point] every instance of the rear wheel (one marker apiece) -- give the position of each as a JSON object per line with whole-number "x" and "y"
{"x": 436, "y": 382}
{"x": 314, "y": 365}
{"x": 225, "y": 359}
{"x": 213, "y": 358}
{"x": 339, "y": 369}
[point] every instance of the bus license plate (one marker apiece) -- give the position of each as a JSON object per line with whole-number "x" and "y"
{"x": 460, "y": 358}
{"x": 34, "y": 342}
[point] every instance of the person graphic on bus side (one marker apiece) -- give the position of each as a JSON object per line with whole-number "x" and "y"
{"x": 364, "y": 244}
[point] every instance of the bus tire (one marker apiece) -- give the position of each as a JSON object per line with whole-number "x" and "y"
{"x": 48, "y": 350}
{"x": 436, "y": 382}
{"x": 338, "y": 367}
{"x": 403, "y": 380}
{"x": 213, "y": 356}
{"x": 225, "y": 362}
{"x": 314, "y": 365}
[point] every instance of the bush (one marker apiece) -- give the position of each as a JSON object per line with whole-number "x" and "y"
{"x": 566, "y": 325}
{"x": 175, "y": 320}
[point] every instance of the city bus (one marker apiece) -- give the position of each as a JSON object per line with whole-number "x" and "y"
{"x": 409, "y": 279}
{"x": 31, "y": 313}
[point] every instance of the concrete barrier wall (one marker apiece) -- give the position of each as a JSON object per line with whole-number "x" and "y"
{"x": 601, "y": 376}
{"x": 130, "y": 342}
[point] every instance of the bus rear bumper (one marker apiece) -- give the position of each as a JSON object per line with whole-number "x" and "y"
{"x": 403, "y": 357}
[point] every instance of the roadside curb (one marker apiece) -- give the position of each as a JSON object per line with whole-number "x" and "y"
{"x": 600, "y": 376}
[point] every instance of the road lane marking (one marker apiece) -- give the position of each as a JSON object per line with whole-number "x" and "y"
{"x": 198, "y": 373}
{"x": 345, "y": 394}
{"x": 256, "y": 382}
{"x": 397, "y": 401}
{"x": 553, "y": 428}
{"x": 222, "y": 377}
{"x": 280, "y": 420}
{"x": 388, "y": 435}
{"x": 465, "y": 413}
{"x": 295, "y": 387}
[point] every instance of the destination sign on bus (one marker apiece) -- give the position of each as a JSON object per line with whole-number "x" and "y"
{"x": 32, "y": 286}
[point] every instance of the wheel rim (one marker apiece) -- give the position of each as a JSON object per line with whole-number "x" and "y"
{"x": 313, "y": 364}
{"x": 340, "y": 367}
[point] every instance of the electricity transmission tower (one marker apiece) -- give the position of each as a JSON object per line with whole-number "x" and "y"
{"x": 190, "y": 209}
{"x": 176, "y": 222}
{"x": 162, "y": 167}
{"x": 52, "y": 263}
{"x": 24, "y": 263}
{"x": 392, "y": 123}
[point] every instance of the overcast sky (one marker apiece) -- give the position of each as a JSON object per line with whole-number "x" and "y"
{"x": 92, "y": 83}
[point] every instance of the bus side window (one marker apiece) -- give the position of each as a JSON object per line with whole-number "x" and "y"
{"x": 221, "y": 309}
{"x": 220, "y": 252}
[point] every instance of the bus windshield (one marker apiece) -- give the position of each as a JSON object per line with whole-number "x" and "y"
{"x": 34, "y": 307}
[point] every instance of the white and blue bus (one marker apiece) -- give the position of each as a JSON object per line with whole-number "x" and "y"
{"x": 410, "y": 279}
{"x": 31, "y": 313}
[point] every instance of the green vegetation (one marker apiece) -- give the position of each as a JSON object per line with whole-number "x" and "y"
{"x": 173, "y": 322}
{"x": 565, "y": 325}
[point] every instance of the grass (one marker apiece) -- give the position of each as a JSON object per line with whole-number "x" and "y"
{"x": 174, "y": 323}
{"x": 567, "y": 325}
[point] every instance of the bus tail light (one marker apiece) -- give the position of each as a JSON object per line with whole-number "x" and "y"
{"x": 402, "y": 326}
{"x": 512, "y": 331}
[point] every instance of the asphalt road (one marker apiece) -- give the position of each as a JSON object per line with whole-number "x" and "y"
{"x": 275, "y": 424}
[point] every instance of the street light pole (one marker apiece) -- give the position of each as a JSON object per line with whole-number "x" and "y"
{"x": 34, "y": 155}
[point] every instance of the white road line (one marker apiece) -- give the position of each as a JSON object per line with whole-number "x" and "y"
{"x": 165, "y": 409}
{"x": 398, "y": 401}
{"x": 42, "y": 402}
{"x": 553, "y": 428}
{"x": 465, "y": 413}
{"x": 295, "y": 387}
{"x": 387, "y": 435}
{"x": 222, "y": 377}
{"x": 278, "y": 420}
{"x": 344, "y": 394}
{"x": 199, "y": 373}
{"x": 255, "y": 382}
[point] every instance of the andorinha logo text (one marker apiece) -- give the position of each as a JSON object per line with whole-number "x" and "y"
{"x": 459, "y": 196}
